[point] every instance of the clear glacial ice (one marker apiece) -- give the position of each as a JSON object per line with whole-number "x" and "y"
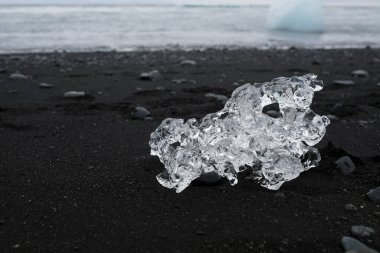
{"x": 242, "y": 135}
{"x": 296, "y": 15}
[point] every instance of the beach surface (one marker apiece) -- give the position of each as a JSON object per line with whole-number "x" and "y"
{"x": 76, "y": 174}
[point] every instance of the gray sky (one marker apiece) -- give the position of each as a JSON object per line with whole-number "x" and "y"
{"x": 130, "y": 1}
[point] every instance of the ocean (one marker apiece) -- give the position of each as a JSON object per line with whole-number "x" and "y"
{"x": 47, "y": 28}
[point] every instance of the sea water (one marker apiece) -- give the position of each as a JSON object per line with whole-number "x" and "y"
{"x": 131, "y": 27}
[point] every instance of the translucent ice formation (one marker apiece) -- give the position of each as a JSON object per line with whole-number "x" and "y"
{"x": 296, "y": 15}
{"x": 241, "y": 135}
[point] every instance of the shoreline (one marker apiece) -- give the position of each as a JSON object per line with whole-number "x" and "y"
{"x": 175, "y": 48}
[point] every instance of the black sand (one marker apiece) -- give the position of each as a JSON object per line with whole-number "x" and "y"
{"x": 76, "y": 174}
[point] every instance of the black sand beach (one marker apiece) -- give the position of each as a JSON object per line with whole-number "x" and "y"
{"x": 76, "y": 174}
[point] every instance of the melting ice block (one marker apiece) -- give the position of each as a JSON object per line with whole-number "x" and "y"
{"x": 242, "y": 135}
{"x": 296, "y": 15}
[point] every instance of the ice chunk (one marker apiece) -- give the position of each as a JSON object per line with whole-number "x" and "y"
{"x": 241, "y": 135}
{"x": 296, "y": 15}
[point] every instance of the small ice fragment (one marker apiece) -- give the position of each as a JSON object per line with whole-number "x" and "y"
{"x": 188, "y": 63}
{"x": 45, "y": 85}
{"x": 18, "y": 76}
{"x": 360, "y": 73}
{"x": 74, "y": 94}
{"x": 241, "y": 135}
{"x": 140, "y": 113}
{"x": 344, "y": 82}
{"x": 296, "y": 15}
{"x": 374, "y": 195}
{"x": 362, "y": 231}
{"x": 153, "y": 75}
{"x": 345, "y": 164}
{"x": 221, "y": 98}
{"x": 351, "y": 244}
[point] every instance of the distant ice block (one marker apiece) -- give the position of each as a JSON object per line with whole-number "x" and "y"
{"x": 296, "y": 15}
{"x": 243, "y": 134}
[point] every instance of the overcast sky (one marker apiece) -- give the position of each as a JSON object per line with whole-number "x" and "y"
{"x": 130, "y": 1}
{"x": 206, "y": 2}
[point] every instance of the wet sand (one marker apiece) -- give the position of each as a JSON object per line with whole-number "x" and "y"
{"x": 76, "y": 174}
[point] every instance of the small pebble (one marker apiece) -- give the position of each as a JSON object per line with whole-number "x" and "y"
{"x": 45, "y": 85}
{"x": 332, "y": 117}
{"x": 179, "y": 81}
{"x": 188, "y": 63}
{"x": 346, "y": 165}
{"x": 377, "y": 214}
{"x": 18, "y": 76}
{"x": 350, "y": 207}
{"x": 362, "y": 231}
{"x": 74, "y": 94}
{"x": 13, "y": 91}
{"x": 208, "y": 179}
{"x": 140, "y": 113}
{"x": 363, "y": 123}
{"x": 153, "y": 75}
{"x": 2, "y": 221}
{"x": 350, "y": 243}
{"x": 360, "y": 73}
{"x": 367, "y": 250}
{"x": 344, "y": 82}
{"x": 374, "y": 195}
{"x": 3, "y": 71}
{"x": 273, "y": 114}
{"x": 279, "y": 195}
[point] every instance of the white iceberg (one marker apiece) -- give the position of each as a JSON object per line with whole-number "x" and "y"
{"x": 296, "y": 15}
